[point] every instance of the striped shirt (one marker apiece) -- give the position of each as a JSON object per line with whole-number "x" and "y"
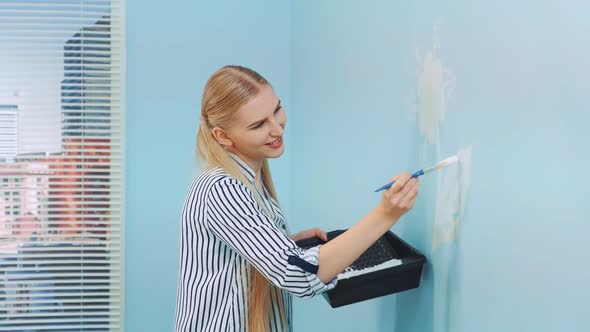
{"x": 223, "y": 231}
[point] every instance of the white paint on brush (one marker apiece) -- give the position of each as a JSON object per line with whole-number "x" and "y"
{"x": 447, "y": 162}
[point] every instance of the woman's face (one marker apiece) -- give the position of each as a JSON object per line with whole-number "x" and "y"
{"x": 256, "y": 132}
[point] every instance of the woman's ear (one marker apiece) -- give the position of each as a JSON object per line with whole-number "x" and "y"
{"x": 222, "y": 137}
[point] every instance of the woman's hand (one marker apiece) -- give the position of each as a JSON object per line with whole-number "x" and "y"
{"x": 306, "y": 234}
{"x": 400, "y": 198}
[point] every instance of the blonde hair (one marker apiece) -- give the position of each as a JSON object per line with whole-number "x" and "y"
{"x": 226, "y": 91}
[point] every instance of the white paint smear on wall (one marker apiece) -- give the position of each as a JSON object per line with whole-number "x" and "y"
{"x": 435, "y": 85}
{"x": 451, "y": 198}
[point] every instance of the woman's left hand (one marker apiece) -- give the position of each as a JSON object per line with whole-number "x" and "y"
{"x": 306, "y": 234}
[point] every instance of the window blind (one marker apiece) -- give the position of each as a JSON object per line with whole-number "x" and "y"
{"x": 61, "y": 165}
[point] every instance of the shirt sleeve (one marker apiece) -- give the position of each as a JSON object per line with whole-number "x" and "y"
{"x": 236, "y": 218}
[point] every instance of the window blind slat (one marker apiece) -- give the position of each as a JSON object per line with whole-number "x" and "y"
{"x": 58, "y": 320}
{"x": 72, "y": 308}
{"x": 60, "y": 281}
{"x": 66, "y": 328}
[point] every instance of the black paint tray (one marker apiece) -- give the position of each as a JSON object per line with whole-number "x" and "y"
{"x": 376, "y": 283}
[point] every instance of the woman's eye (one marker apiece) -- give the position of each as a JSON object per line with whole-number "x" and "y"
{"x": 258, "y": 125}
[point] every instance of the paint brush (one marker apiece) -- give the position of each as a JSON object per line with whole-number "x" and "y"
{"x": 439, "y": 165}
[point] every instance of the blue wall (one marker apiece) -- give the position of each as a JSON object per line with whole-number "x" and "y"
{"x": 521, "y": 76}
{"x": 352, "y": 86}
{"x": 349, "y": 75}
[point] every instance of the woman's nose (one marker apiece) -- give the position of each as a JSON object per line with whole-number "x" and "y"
{"x": 277, "y": 128}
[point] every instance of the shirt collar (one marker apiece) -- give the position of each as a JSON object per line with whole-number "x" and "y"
{"x": 243, "y": 166}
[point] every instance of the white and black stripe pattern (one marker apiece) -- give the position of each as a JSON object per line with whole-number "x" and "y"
{"x": 223, "y": 229}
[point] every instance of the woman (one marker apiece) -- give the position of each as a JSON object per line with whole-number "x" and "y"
{"x": 239, "y": 266}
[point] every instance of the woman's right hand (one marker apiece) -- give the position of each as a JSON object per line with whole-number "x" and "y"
{"x": 342, "y": 251}
{"x": 400, "y": 198}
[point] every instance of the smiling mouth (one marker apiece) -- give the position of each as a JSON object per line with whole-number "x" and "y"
{"x": 277, "y": 141}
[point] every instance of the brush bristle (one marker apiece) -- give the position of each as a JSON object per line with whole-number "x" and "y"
{"x": 448, "y": 161}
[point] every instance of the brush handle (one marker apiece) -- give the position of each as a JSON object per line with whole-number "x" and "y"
{"x": 415, "y": 175}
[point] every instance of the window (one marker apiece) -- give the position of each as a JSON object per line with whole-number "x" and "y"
{"x": 61, "y": 165}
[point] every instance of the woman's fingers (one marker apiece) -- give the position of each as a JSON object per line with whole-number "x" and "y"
{"x": 400, "y": 182}
{"x": 322, "y": 235}
{"x": 403, "y": 198}
{"x": 397, "y": 196}
{"x": 309, "y": 233}
{"x": 411, "y": 185}
{"x": 399, "y": 199}
{"x": 317, "y": 232}
{"x": 411, "y": 195}
{"x": 407, "y": 188}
